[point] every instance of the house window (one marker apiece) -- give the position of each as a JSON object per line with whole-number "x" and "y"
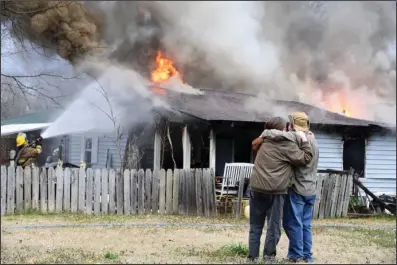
{"x": 89, "y": 150}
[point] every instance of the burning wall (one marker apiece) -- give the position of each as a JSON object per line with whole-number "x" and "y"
{"x": 331, "y": 54}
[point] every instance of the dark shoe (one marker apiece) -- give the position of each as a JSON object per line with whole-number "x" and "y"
{"x": 269, "y": 259}
{"x": 251, "y": 259}
{"x": 291, "y": 260}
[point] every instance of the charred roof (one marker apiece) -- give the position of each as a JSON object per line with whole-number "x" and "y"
{"x": 231, "y": 106}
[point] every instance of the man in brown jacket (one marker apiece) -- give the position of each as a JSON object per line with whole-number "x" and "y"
{"x": 270, "y": 179}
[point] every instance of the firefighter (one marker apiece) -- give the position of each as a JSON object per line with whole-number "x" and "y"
{"x": 27, "y": 153}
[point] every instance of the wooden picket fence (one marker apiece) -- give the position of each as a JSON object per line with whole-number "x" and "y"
{"x": 103, "y": 191}
{"x": 333, "y": 191}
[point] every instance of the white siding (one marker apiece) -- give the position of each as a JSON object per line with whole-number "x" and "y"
{"x": 105, "y": 142}
{"x": 109, "y": 142}
{"x": 380, "y": 164}
{"x": 331, "y": 150}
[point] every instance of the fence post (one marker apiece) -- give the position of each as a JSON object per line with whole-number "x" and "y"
{"x": 119, "y": 191}
{"x": 148, "y": 191}
{"x": 127, "y": 188}
{"x": 66, "y": 190}
{"x": 141, "y": 191}
{"x": 97, "y": 191}
{"x": 11, "y": 190}
{"x": 19, "y": 189}
{"x": 240, "y": 195}
{"x": 89, "y": 191}
{"x": 134, "y": 193}
{"x": 162, "y": 191}
{"x": 168, "y": 192}
{"x": 59, "y": 192}
{"x": 175, "y": 192}
{"x": 35, "y": 188}
{"x": 81, "y": 197}
{"x": 43, "y": 191}
{"x": 112, "y": 190}
{"x": 105, "y": 193}
{"x": 12, "y": 158}
{"x": 199, "y": 191}
{"x": 3, "y": 190}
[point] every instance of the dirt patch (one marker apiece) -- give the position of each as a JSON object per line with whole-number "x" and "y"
{"x": 178, "y": 245}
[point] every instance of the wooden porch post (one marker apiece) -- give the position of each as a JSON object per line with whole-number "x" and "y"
{"x": 212, "y": 149}
{"x": 186, "y": 145}
{"x": 157, "y": 151}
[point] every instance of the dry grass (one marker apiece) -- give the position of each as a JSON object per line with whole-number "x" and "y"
{"x": 175, "y": 245}
{"x": 34, "y": 218}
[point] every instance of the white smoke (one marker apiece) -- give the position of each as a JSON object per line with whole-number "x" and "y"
{"x": 118, "y": 99}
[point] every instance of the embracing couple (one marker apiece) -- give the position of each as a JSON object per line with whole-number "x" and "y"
{"x": 283, "y": 184}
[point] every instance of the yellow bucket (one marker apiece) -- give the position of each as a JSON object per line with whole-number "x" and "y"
{"x": 246, "y": 209}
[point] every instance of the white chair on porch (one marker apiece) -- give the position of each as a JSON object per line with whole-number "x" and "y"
{"x": 231, "y": 176}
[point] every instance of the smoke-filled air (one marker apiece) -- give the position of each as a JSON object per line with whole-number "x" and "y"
{"x": 335, "y": 55}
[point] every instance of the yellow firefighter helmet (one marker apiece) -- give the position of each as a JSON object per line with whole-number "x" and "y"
{"x": 21, "y": 139}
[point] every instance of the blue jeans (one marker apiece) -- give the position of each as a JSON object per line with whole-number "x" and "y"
{"x": 297, "y": 223}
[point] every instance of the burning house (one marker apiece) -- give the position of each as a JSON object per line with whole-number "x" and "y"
{"x": 210, "y": 127}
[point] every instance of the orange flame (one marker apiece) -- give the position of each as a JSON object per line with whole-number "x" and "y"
{"x": 165, "y": 69}
{"x": 337, "y": 103}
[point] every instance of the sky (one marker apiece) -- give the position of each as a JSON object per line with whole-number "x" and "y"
{"x": 15, "y": 61}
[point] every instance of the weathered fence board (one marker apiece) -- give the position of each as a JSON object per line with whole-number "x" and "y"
{"x": 27, "y": 188}
{"x": 182, "y": 195}
{"x": 3, "y": 190}
{"x": 74, "y": 189}
{"x": 127, "y": 187}
{"x": 97, "y": 191}
{"x": 175, "y": 192}
{"x": 188, "y": 188}
{"x": 112, "y": 191}
{"x": 148, "y": 191}
{"x": 51, "y": 189}
{"x": 119, "y": 191}
{"x": 211, "y": 190}
{"x": 199, "y": 191}
{"x": 330, "y": 188}
{"x": 66, "y": 190}
{"x": 141, "y": 191}
{"x": 349, "y": 185}
{"x": 105, "y": 191}
{"x": 59, "y": 190}
{"x": 168, "y": 192}
{"x": 162, "y": 191}
{"x": 19, "y": 189}
{"x": 319, "y": 185}
{"x": 81, "y": 193}
{"x": 335, "y": 194}
{"x": 134, "y": 193}
{"x": 102, "y": 191}
{"x": 10, "y": 190}
{"x": 35, "y": 188}
{"x": 155, "y": 191}
{"x": 341, "y": 196}
{"x": 89, "y": 191}
{"x": 43, "y": 191}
